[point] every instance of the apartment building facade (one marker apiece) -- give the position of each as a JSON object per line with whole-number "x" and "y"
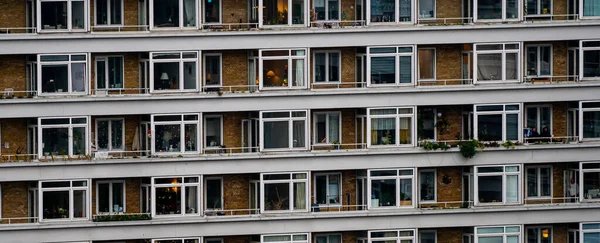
{"x": 299, "y": 121}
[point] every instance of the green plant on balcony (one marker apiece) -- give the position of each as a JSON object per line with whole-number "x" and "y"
{"x": 430, "y": 145}
{"x": 468, "y": 149}
{"x": 121, "y": 217}
{"x": 509, "y": 144}
{"x": 443, "y": 126}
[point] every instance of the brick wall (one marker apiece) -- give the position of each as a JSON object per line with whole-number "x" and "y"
{"x": 12, "y": 14}
{"x": 13, "y": 132}
{"x": 449, "y": 9}
{"x": 14, "y": 201}
{"x": 234, "y": 11}
{"x": 232, "y": 129}
{"x": 236, "y": 192}
{"x": 235, "y": 66}
{"x": 559, "y": 119}
{"x": 132, "y": 195}
{"x": 449, "y": 187}
{"x": 347, "y": 7}
{"x": 560, "y": 233}
{"x": 234, "y": 239}
{"x": 448, "y": 63}
{"x": 130, "y": 69}
{"x": 449, "y": 235}
{"x": 453, "y": 116}
{"x": 130, "y": 13}
{"x": 12, "y": 68}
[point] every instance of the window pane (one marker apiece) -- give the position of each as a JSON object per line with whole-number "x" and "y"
{"x": 212, "y": 70}
{"x": 117, "y": 134}
{"x": 213, "y": 194}
{"x": 334, "y": 9}
{"x": 168, "y": 200}
{"x": 189, "y": 75}
{"x": 427, "y": 185}
{"x": 191, "y": 200}
{"x": 489, "y": 66}
{"x": 383, "y": 193}
{"x": 55, "y": 78}
{"x": 212, "y": 11}
{"x": 405, "y": 9}
{"x": 213, "y": 131}
{"x": 512, "y": 188}
{"x": 101, "y": 12}
{"x": 55, "y": 141}
{"x": 115, "y": 72}
{"x": 334, "y": 65}
{"x": 78, "y": 12}
{"x": 405, "y": 130}
{"x": 591, "y": 183}
{"x": 299, "y": 134}
{"x": 102, "y": 135}
{"x": 405, "y": 69}
{"x": 383, "y": 70}
{"x": 276, "y": 134}
{"x": 118, "y": 200}
{"x": 299, "y": 195}
{"x": 512, "y": 127}
{"x": 426, "y": 63}
{"x": 334, "y": 189}
{"x": 320, "y": 65}
{"x": 591, "y": 124}
{"x": 383, "y": 11}
{"x": 590, "y": 8}
{"x": 78, "y": 77}
{"x": 489, "y": 127}
{"x": 321, "y": 189}
{"x": 512, "y": 9}
{"x": 166, "y": 75}
{"x": 591, "y": 60}
{"x": 406, "y": 196}
{"x": 426, "y": 9}
{"x": 545, "y": 116}
{"x": 115, "y": 11}
{"x": 532, "y": 54}
{"x": 79, "y": 204}
{"x": 166, "y": 13}
{"x": 546, "y": 59}
{"x": 103, "y": 198}
{"x": 298, "y": 11}
{"x": 277, "y": 196}
{"x": 495, "y": 239}
{"x": 334, "y": 128}
{"x": 383, "y": 131}
{"x": 321, "y": 128}
{"x": 56, "y": 204}
{"x": 490, "y": 189}
{"x": 272, "y": 14}
{"x": 275, "y": 72}
{"x": 489, "y": 9}
{"x": 101, "y": 74}
{"x": 532, "y": 9}
{"x": 428, "y": 237}
{"x": 512, "y": 65}
{"x": 298, "y": 72}
{"x": 546, "y": 181}
{"x": 319, "y": 6}
{"x": 168, "y": 138}
{"x": 532, "y": 182}
{"x": 54, "y": 15}
{"x": 191, "y": 137}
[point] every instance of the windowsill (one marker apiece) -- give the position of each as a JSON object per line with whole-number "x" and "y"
{"x": 548, "y": 15}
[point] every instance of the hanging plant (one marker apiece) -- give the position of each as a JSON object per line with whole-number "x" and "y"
{"x": 468, "y": 149}
{"x": 443, "y": 126}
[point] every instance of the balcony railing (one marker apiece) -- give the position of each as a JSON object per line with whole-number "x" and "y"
{"x": 551, "y": 79}
{"x": 444, "y": 82}
{"x": 551, "y": 140}
{"x": 121, "y": 217}
{"x": 119, "y": 28}
{"x": 550, "y": 200}
{"x": 333, "y": 24}
{"x": 446, "y": 205}
{"x": 18, "y": 30}
{"x": 445, "y": 21}
{"x": 551, "y": 17}
{"x": 19, "y": 220}
{"x": 230, "y": 26}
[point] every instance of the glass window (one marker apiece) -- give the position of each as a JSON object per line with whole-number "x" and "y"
{"x": 173, "y": 71}
{"x": 496, "y": 10}
{"x": 212, "y": 70}
{"x": 539, "y": 235}
{"x": 426, "y": 9}
{"x": 426, "y": 127}
{"x": 497, "y": 62}
{"x": 291, "y": 15}
{"x": 383, "y": 11}
{"x": 109, "y": 134}
{"x": 212, "y": 11}
{"x": 398, "y": 236}
{"x": 284, "y": 133}
{"x": 591, "y": 181}
{"x": 497, "y": 125}
{"x": 56, "y": 137}
{"x": 386, "y": 190}
{"x": 539, "y": 181}
{"x": 497, "y": 185}
{"x": 290, "y": 238}
{"x": 591, "y": 121}
{"x": 427, "y": 185}
{"x": 214, "y": 193}
{"x": 498, "y": 234}
{"x": 64, "y": 200}
{"x": 213, "y": 131}
{"x": 328, "y": 188}
{"x": 327, "y": 9}
{"x": 109, "y": 72}
{"x": 390, "y": 66}
{"x": 173, "y": 13}
{"x": 539, "y": 122}
{"x": 426, "y": 63}
{"x": 109, "y": 12}
{"x": 277, "y": 71}
{"x": 327, "y": 128}
{"x": 175, "y": 133}
{"x": 55, "y": 76}
{"x": 391, "y": 129}
{"x": 55, "y": 17}
{"x": 176, "y": 196}
{"x": 178, "y": 240}
{"x": 327, "y": 66}
{"x": 539, "y": 60}
{"x": 591, "y": 62}
{"x": 428, "y": 237}
{"x": 590, "y": 8}
{"x": 110, "y": 197}
{"x": 284, "y": 195}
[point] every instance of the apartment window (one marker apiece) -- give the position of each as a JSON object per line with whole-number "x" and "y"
{"x": 497, "y": 184}
{"x": 590, "y": 232}
{"x": 213, "y": 70}
{"x": 505, "y": 10}
{"x": 63, "y": 136}
{"x": 538, "y": 7}
{"x": 62, "y": 15}
{"x": 539, "y": 235}
{"x": 498, "y": 122}
{"x": 177, "y": 240}
{"x": 327, "y": 127}
{"x": 176, "y": 196}
{"x": 539, "y": 120}
{"x": 327, "y": 9}
{"x": 109, "y": 12}
{"x": 428, "y": 236}
{"x": 284, "y": 238}
{"x": 390, "y": 65}
{"x": 173, "y": 14}
{"x": 328, "y": 188}
{"x": 175, "y": 133}
{"x": 110, "y": 134}
{"x": 62, "y": 74}
{"x": 283, "y": 130}
{"x": 173, "y": 71}
{"x": 427, "y": 64}
{"x": 390, "y": 11}
{"x": 589, "y": 52}
{"x": 426, "y": 117}
{"x": 282, "y": 68}
{"x": 390, "y": 126}
{"x": 589, "y": 126}
{"x": 590, "y": 179}
{"x": 539, "y": 60}
{"x": 1, "y": 202}
{"x": 109, "y": 72}
{"x": 110, "y": 197}
{"x": 391, "y": 188}
{"x": 428, "y": 186}
{"x": 332, "y": 238}
{"x": 497, "y": 63}
{"x": 274, "y": 16}
{"x": 212, "y": 11}
{"x": 214, "y": 193}
{"x": 64, "y": 200}
{"x": 213, "y": 131}
{"x": 392, "y": 236}
{"x": 589, "y": 9}
{"x": 284, "y": 192}
{"x": 327, "y": 67}
{"x": 426, "y": 9}
{"x": 539, "y": 181}
{"x": 499, "y": 234}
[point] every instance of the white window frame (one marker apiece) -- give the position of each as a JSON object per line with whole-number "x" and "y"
{"x": 206, "y": 208}
{"x": 306, "y": 18}
{"x": 504, "y": 233}
{"x": 69, "y": 126}
{"x": 326, "y": 10}
{"x": 199, "y": 239}
{"x": 181, "y": 60}
{"x": 504, "y": 112}
{"x": 291, "y": 182}
{"x": 538, "y": 115}
{"x": 109, "y": 14}
{"x": 203, "y": 7}
{"x": 327, "y": 237}
{"x": 327, "y": 60}
{"x": 582, "y": 172}
{"x": 69, "y": 63}
{"x": 397, "y": 54}
{"x": 434, "y": 64}
{"x": 396, "y": 14}
{"x": 290, "y": 58}
{"x": 327, "y": 138}
{"x": 581, "y": 121}
{"x": 182, "y": 186}
{"x": 434, "y": 185}
{"x": 582, "y": 229}
{"x": 539, "y": 12}
{"x": 110, "y": 145}
{"x": 220, "y": 55}
{"x": 538, "y": 67}
{"x": 1, "y": 200}
{"x": 290, "y": 119}
{"x": 71, "y": 190}
{"x": 504, "y": 13}
{"x": 502, "y": 51}
{"x": 426, "y": 18}
{"x": 107, "y": 72}
{"x": 207, "y": 143}
{"x": 540, "y": 229}
{"x": 435, "y": 238}
{"x": 504, "y": 174}
{"x": 538, "y": 181}
{"x": 86, "y": 10}
{"x": 581, "y": 12}
{"x": 340, "y": 190}
{"x": 110, "y": 196}
{"x": 182, "y": 124}
{"x": 397, "y": 116}
{"x": 582, "y": 51}
{"x": 397, "y": 238}
{"x": 181, "y": 20}
{"x": 397, "y": 177}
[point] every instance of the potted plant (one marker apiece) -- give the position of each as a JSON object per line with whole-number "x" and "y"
{"x": 336, "y": 145}
{"x": 468, "y": 149}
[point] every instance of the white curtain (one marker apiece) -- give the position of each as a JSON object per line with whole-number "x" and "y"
{"x": 489, "y": 66}
{"x": 299, "y": 134}
{"x": 511, "y": 66}
{"x": 591, "y": 8}
{"x": 298, "y": 71}
{"x": 334, "y": 128}
{"x": 299, "y": 195}
{"x": 190, "y": 14}
{"x": 512, "y": 188}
